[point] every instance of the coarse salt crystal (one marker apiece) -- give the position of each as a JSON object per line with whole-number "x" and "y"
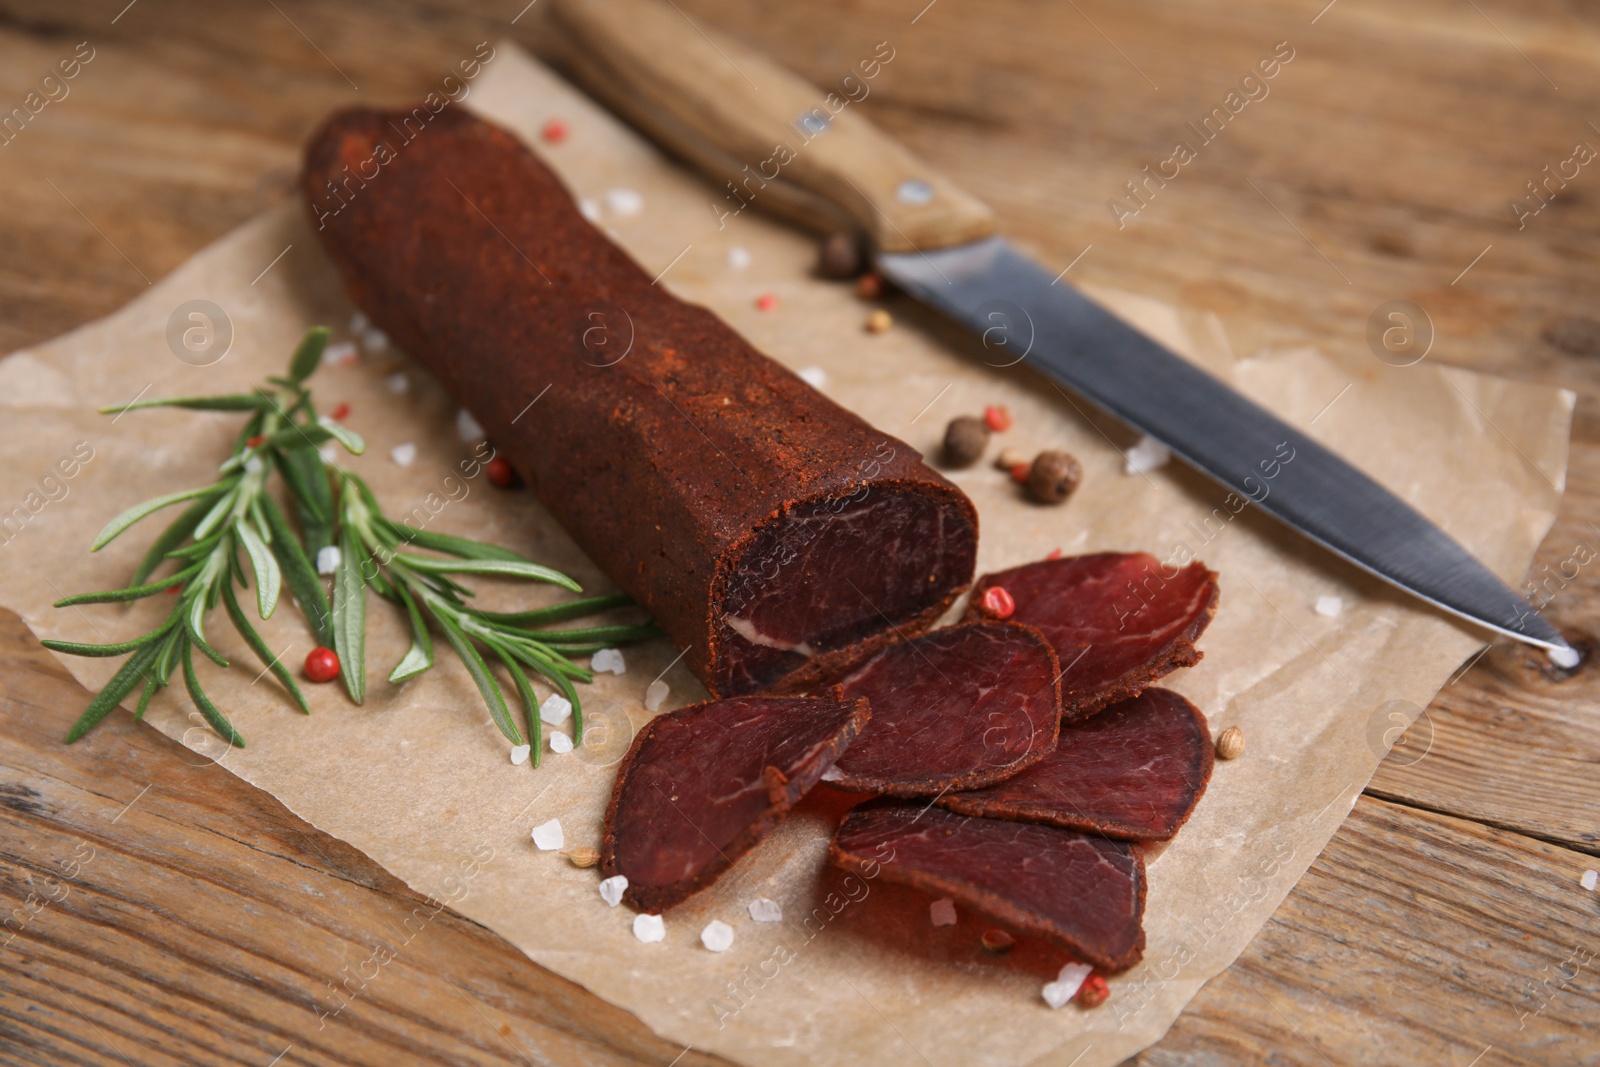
{"x": 397, "y": 382}
{"x": 359, "y": 322}
{"x": 766, "y": 910}
{"x": 374, "y": 341}
{"x": 1565, "y": 658}
{"x": 467, "y": 427}
{"x": 738, "y": 257}
{"x": 943, "y": 912}
{"x": 624, "y": 202}
{"x": 611, "y": 889}
{"x": 1146, "y": 455}
{"x": 340, "y": 354}
{"x": 1066, "y": 985}
{"x": 815, "y": 377}
{"x": 403, "y": 455}
{"x": 560, "y": 744}
{"x": 548, "y": 836}
{"x": 832, "y": 774}
{"x": 607, "y": 659}
{"x": 329, "y": 452}
{"x": 648, "y": 928}
{"x": 655, "y": 695}
{"x": 1589, "y": 880}
{"x": 254, "y": 464}
{"x": 717, "y": 936}
{"x": 555, "y": 710}
{"x": 519, "y": 756}
{"x": 1329, "y": 605}
{"x": 589, "y": 209}
{"x": 328, "y": 559}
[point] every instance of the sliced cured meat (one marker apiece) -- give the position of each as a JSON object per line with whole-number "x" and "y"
{"x": 957, "y": 708}
{"x": 1083, "y": 891}
{"x": 1118, "y": 621}
{"x": 701, "y": 785}
{"x": 775, "y": 535}
{"x": 1136, "y": 770}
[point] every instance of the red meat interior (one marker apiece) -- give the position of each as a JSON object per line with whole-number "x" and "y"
{"x": 830, "y": 573}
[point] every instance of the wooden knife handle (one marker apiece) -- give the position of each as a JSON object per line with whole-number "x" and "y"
{"x": 769, "y": 139}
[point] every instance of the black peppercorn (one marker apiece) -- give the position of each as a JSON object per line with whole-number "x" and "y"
{"x": 1053, "y": 477}
{"x": 964, "y": 441}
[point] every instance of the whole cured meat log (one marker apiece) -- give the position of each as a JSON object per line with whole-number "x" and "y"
{"x": 775, "y": 535}
{"x": 1118, "y": 621}
{"x": 1082, "y": 891}
{"x": 1135, "y": 770}
{"x": 956, "y": 708}
{"x": 700, "y": 786}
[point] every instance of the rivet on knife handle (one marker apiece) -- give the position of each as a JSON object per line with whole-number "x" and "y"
{"x": 769, "y": 139}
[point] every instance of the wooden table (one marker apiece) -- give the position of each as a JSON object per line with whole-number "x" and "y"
{"x": 180, "y": 916}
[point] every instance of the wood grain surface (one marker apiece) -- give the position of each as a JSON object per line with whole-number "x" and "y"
{"x": 167, "y": 913}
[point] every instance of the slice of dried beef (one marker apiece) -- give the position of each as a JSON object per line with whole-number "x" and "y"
{"x": 1082, "y": 891}
{"x": 1136, "y": 770}
{"x": 1118, "y": 621}
{"x": 700, "y": 786}
{"x": 957, "y": 708}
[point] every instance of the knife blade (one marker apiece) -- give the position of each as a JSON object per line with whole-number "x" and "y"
{"x": 989, "y": 286}
{"x": 777, "y": 143}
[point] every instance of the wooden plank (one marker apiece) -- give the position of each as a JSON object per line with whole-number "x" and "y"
{"x": 163, "y": 911}
{"x": 1514, "y": 741}
{"x": 1414, "y": 938}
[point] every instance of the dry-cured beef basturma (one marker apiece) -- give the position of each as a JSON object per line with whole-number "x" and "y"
{"x": 773, "y": 534}
{"x": 1118, "y": 621}
{"x": 1082, "y": 891}
{"x": 1135, "y": 770}
{"x": 956, "y": 708}
{"x": 700, "y": 786}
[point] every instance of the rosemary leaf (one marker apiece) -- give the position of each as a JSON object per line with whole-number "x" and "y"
{"x": 530, "y": 702}
{"x": 308, "y": 356}
{"x": 299, "y": 435}
{"x": 135, "y": 592}
{"x": 219, "y": 722}
{"x": 219, "y": 511}
{"x": 552, "y": 670}
{"x": 420, "y": 656}
{"x": 350, "y": 618}
{"x": 299, "y": 573}
{"x": 455, "y": 546}
{"x": 167, "y": 660}
{"x": 196, "y": 619}
{"x": 499, "y": 568}
{"x": 487, "y": 685}
{"x": 198, "y": 548}
{"x": 150, "y": 688}
{"x": 307, "y": 478}
{"x": 74, "y": 648}
{"x": 572, "y": 609}
{"x": 268, "y": 577}
{"x": 229, "y": 402}
{"x": 241, "y": 622}
{"x": 149, "y": 507}
{"x": 121, "y": 684}
{"x": 590, "y": 635}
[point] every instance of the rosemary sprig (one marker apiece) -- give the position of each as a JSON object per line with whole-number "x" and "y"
{"x": 233, "y": 516}
{"x": 236, "y": 520}
{"x": 379, "y": 554}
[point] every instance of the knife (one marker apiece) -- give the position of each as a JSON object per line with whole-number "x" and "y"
{"x": 771, "y": 141}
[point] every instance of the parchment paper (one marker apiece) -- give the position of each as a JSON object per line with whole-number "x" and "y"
{"x": 418, "y": 780}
